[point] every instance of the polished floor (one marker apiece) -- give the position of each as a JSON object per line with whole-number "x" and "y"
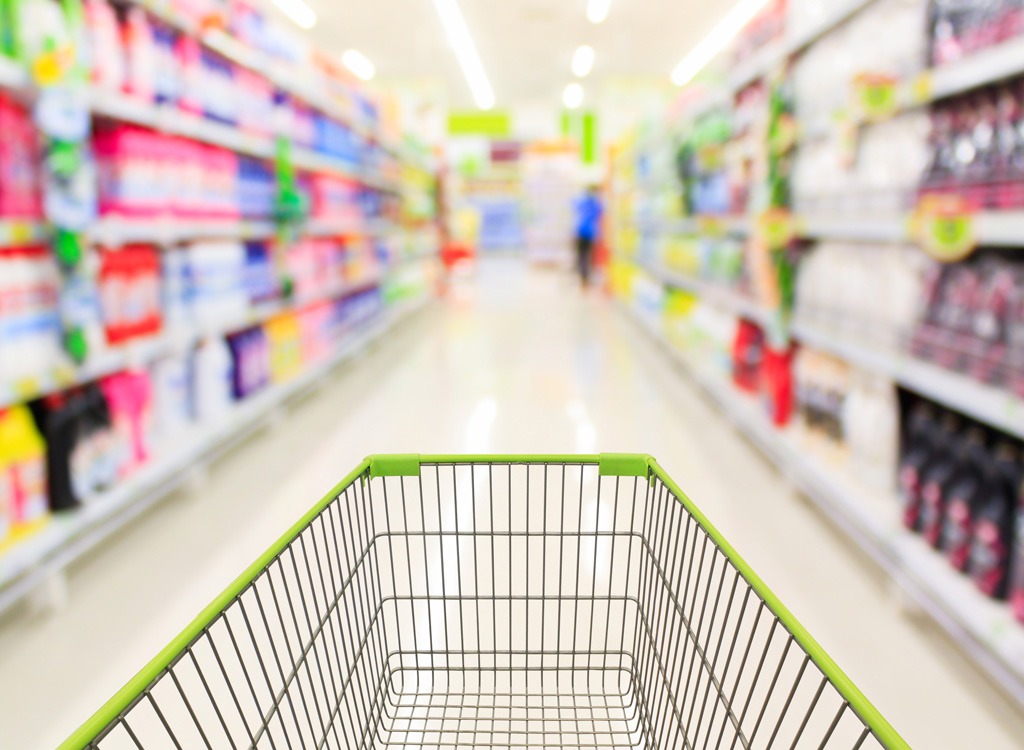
{"x": 513, "y": 361}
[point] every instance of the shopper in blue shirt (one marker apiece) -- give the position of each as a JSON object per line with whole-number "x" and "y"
{"x": 588, "y": 225}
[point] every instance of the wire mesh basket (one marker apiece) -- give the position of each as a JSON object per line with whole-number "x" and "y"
{"x": 449, "y": 602}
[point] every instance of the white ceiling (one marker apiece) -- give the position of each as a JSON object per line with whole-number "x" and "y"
{"x": 526, "y": 45}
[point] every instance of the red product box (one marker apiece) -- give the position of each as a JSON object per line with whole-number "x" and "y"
{"x": 130, "y": 292}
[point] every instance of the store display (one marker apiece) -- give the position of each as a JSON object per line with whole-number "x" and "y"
{"x": 977, "y": 147}
{"x": 822, "y": 166}
{"x": 158, "y": 303}
{"x": 960, "y": 28}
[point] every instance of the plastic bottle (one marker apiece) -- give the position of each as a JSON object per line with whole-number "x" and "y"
{"x": 213, "y": 383}
{"x": 994, "y": 523}
{"x": 29, "y": 315}
{"x": 129, "y": 396}
{"x": 25, "y": 452}
{"x": 966, "y": 495}
{"x": 920, "y": 439}
{"x": 943, "y": 469}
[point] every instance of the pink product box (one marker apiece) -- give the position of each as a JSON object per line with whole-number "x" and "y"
{"x": 314, "y": 332}
{"x": 256, "y": 100}
{"x": 190, "y": 60}
{"x": 334, "y": 197}
{"x": 129, "y": 162}
{"x": 220, "y": 183}
{"x": 20, "y": 175}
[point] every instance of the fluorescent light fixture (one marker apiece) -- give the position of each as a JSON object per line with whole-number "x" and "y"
{"x": 716, "y": 40}
{"x": 597, "y": 10}
{"x": 583, "y": 61}
{"x": 465, "y": 50}
{"x": 301, "y": 14}
{"x": 572, "y": 97}
{"x": 359, "y": 64}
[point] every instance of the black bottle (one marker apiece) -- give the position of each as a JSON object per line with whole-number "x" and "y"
{"x": 919, "y": 442}
{"x": 992, "y": 542}
{"x": 976, "y": 479}
{"x": 941, "y": 471}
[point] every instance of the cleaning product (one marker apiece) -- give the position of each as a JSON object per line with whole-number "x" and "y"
{"x": 141, "y": 54}
{"x": 173, "y": 408}
{"x": 943, "y": 469}
{"x": 21, "y": 179}
{"x": 992, "y": 541}
{"x": 23, "y": 462}
{"x": 966, "y": 495}
{"x": 129, "y": 395}
{"x": 29, "y": 315}
{"x": 130, "y": 292}
{"x": 213, "y": 379}
{"x": 919, "y": 446}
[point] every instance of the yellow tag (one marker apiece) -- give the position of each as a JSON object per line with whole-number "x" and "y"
{"x": 876, "y": 96}
{"x": 27, "y": 389}
{"x": 784, "y": 135}
{"x": 921, "y": 88}
{"x": 776, "y": 227}
{"x": 944, "y": 226}
{"x": 20, "y": 233}
{"x": 64, "y": 376}
{"x": 51, "y": 68}
{"x": 710, "y": 226}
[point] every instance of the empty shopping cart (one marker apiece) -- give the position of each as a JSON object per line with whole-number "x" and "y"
{"x": 495, "y": 601}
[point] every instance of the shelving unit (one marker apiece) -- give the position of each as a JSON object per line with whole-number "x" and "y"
{"x": 172, "y": 340}
{"x": 984, "y": 629}
{"x": 984, "y": 403}
{"x": 29, "y": 564}
{"x": 715, "y": 294}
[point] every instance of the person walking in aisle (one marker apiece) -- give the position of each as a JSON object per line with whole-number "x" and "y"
{"x": 588, "y": 224}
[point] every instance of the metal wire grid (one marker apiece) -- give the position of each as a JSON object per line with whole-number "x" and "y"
{"x": 495, "y": 605}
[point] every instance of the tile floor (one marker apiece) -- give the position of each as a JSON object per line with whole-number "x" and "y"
{"x": 516, "y": 361}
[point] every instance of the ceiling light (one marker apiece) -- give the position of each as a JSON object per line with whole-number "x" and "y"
{"x": 301, "y": 14}
{"x": 465, "y": 50}
{"x": 597, "y": 10}
{"x": 716, "y": 40}
{"x": 583, "y": 61}
{"x": 572, "y": 97}
{"x": 359, "y": 64}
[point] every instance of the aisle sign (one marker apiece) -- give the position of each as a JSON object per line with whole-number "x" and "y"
{"x": 876, "y": 96}
{"x": 776, "y": 227}
{"x": 945, "y": 227}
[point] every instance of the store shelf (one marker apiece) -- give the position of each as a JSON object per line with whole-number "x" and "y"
{"x": 738, "y": 226}
{"x": 21, "y": 233}
{"x": 891, "y": 229}
{"x": 984, "y": 403}
{"x": 114, "y": 232}
{"x": 70, "y": 535}
{"x": 984, "y": 629}
{"x": 715, "y": 294}
{"x": 767, "y": 60}
{"x": 12, "y": 75}
{"x": 174, "y": 339}
{"x": 979, "y": 69}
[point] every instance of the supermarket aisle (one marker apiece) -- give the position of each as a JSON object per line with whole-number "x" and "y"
{"x": 516, "y": 362}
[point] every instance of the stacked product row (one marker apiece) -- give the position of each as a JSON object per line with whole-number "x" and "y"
{"x": 138, "y": 292}
{"x": 63, "y": 450}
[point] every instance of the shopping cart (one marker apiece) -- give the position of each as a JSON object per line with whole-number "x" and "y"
{"x": 494, "y": 601}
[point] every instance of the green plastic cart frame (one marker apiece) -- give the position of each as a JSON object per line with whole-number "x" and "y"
{"x": 494, "y": 601}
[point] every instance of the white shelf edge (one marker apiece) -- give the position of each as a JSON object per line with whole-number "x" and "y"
{"x": 172, "y": 339}
{"x": 981, "y": 68}
{"x": 985, "y": 403}
{"x": 66, "y": 539}
{"x": 982, "y": 628}
{"x": 716, "y": 294}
